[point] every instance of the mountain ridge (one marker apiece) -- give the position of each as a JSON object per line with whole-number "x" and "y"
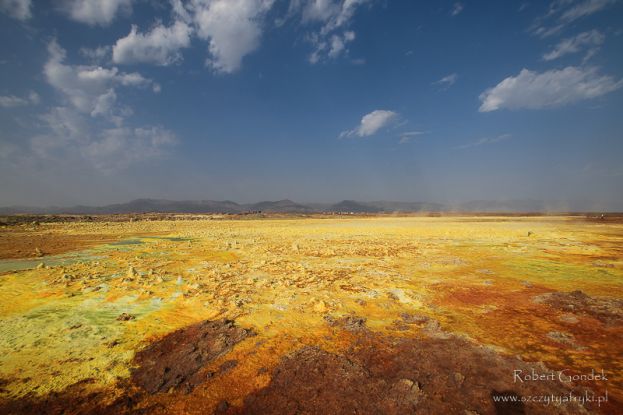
{"x": 146, "y": 205}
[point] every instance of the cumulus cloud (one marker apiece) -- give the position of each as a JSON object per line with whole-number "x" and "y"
{"x": 89, "y": 89}
{"x": 92, "y": 125}
{"x": 95, "y": 12}
{"x": 233, "y": 28}
{"x": 160, "y": 46}
{"x": 11, "y": 101}
{"x": 18, "y": 9}
{"x": 371, "y": 123}
{"x": 485, "y": 141}
{"x": 590, "y": 40}
{"x": 456, "y": 8}
{"x": 552, "y": 88}
{"x": 447, "y": 81}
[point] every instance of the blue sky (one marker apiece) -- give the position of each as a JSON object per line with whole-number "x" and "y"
{"x": 312, "y": 100}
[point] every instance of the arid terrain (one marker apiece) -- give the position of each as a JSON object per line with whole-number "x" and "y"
{"x": 311, "y": 315}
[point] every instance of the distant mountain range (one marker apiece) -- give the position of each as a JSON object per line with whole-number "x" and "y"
{"x": 288, "y": 206}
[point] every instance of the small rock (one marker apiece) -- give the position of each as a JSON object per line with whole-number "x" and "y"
{"x": 38, "y": 252}
{"x": 131, "y": 272}
{"x": 408, "y": 389}
{"x": 125, "y": 317}
{"x": 563, "y": 338}
{"x": 414, "y": 318}
{"x": 41, "y": 265}
{"x": 320, "y": 307}
{"x": 222, "y": 406}
{"x": 569, "y": 318}
{"x": 354, "y": 323}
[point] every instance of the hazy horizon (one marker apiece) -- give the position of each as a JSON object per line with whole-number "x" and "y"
{"x": 309, "y": 100}
{"x": 505, "y": 205}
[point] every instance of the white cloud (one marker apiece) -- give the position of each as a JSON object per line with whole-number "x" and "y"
{"x": 233, "y": 28}
{"x": 34, "y": 98}
{"x": 486, "y": 140}
{"x": 552, "y": 88}
{"x": 71, "y": 135}
{"x": 96, "y": 55}
{"x": 121, "y": 147}
{"x": 11, "y": 101}
{"x": 457, "y": 8}
{"x": 92, "y": 126}
{"x": 95, "y": 12}
{"x": 330, "y": 39}
{"x": 18, "y": 9}
{"x": 161, "y": 45}
{"x": 563, "y": 12}
{"x": 371, "y": 123}
{"x": 591, "y": 39}
{"x": 338, "y": 43}
{"x": 90, "y": 89}
{"x": 584, "y": 8}
{"x": 344, "y": 15}
{"x": 332, "y": 48}
{"x": 447, "y": 81}
{"x": 409, "y": 136}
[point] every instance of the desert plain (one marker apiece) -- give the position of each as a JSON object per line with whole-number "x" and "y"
{"x": 312, "y": 315}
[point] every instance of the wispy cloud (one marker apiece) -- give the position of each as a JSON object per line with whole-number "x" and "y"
{"x": 584, "y": 8}
{"x": 553, "y": 88}
{"x": 331, "y": 48}
{"x": 329, "y": 22}
{"x": 563, "y": 12}
{"x": 96, "y": 55}
{"x": 457, "y": 8}
{"x": 17, "y": 9}
{"x": 409, "y": 136}
{"x": 447, "y": 81}
{"x": 11, "y": 101}
{"x": 485, "y": 141}
{"x": 371, "y": 123}
{"x": 590, "y": 40}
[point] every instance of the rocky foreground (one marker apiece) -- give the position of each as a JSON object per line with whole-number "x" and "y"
{"x": 321, "y": 315}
